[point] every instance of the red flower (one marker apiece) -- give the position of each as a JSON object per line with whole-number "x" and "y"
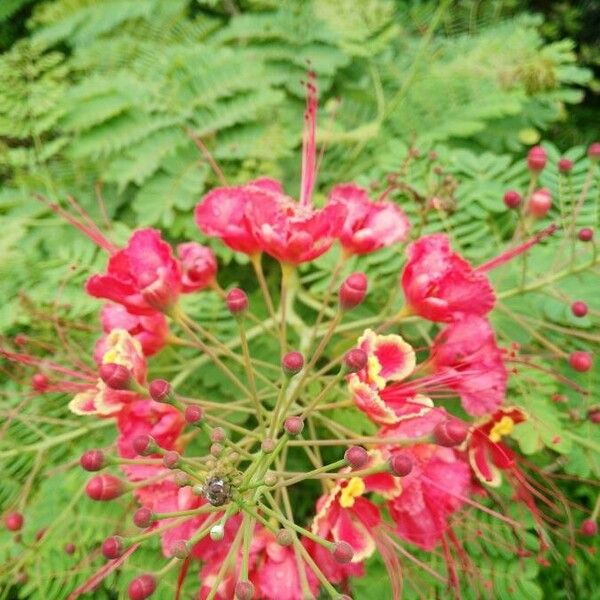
{"x": 144, "y": 277}
{"x": 368, "y": 225}
{"x": 150, "y": 331}
{"x": 487, "y": 453}
{"x": 439, "y": 284}
{"x": 198, "y": 266}
{"x": 468, "y": 360}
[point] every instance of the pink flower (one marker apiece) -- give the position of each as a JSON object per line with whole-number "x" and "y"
{"x": 150, "y": 331}
{"x": 439, "y": 284}
{"x": 144, "y": 277}
{"x": 198, "y": 266}
{"x": 468, "y": 360}
{"x": 368, "y": 225}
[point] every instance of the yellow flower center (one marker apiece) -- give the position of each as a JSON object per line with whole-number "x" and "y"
{"x": 373, "y": 370}
{"x": 354, "y": 489}
{"x": 503, "y": 427}
{"x": 120, "y": 346}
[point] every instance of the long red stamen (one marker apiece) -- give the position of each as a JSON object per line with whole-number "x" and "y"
{"x": 309, "y": 143}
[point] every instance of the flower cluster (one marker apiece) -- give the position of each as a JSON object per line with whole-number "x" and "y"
{"x": 216, "y": 489}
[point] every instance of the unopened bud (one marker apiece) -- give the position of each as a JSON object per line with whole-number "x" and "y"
{"x": 193, "y": 413}
{"x": 536, "y": 159}
{"x": 270, "y": 478}
{"x": 565, "y": 165}
{"x": 143, "y": 517}
{"x": 267, "y": 445}
{"x": 579, "y": 308}
{"x": 589, "y": 528}
{"x": 39, "y": 382}
{"x": 356, "y": 457}
{"x": 512, "y": 199}
{"x": 141, "y": 587}
{"x": 237, "y": 301}
{"x": 353, "y": 291}
{"x": 181, "y": 478}
{"x": 342, "y": 552}
{"x": 355, "y": 360}
{"x": 92, "y": 460}
{"x": 13, "y": 521}
{"x": 217, "y": 533}
{"x": 113, "y": 547}
{"x": 540, "y": 203}
{"x": 594, "y": 152}
{"x": 400, "y": 464}
{"x": 580, "y": 361}
{"x": 292, "y": 363}
{"x": 217, "y": 434}
{"x": 594, "y": 415}
{"x": 585, "y": 234}
{"x": 450, "y": 433}
{"x": 160, "y": 391}
{"x": 216, "y": 449}
{"x": 104, "y": 487}
{"x": 180, "y": 549}
{"x": 284, "y": 537}
{"x": 294, "y": 425}
{"x": 171, "y": 459}
{"x": 116, "y": 377}
{"x": 244, "y": 590}
{"x": 144, "y": 445}
{"x": 70, "y": 548}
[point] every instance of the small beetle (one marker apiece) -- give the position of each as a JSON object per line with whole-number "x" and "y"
{"x": 217, "y": 491}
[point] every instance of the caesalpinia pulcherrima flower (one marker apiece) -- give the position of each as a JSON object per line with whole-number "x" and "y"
{"x": 214, "y": 477}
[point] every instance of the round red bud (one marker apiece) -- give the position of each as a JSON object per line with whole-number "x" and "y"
{"x": 580, "y": 361}
{"x": 70, "y": 548}
{"x": 342, "y": 552}
{"x": 143, "y": 517}
{"x": 13, "y": 521}
{"x": 353, "y": 290}
{"x": 144, "y": 445}
{"x": 536, "y": 158}
{"x": 540, "y": 203}
{"x": 237, "y": 301}
{"x": 355, "y": 360}
{"x": 217, "y": 434}
{"x": 284, "y": 537}
{"x": 116, "y": 377}
{"x": 512, "y": 199}
{"x": 244, "y": 590}
{"x": 216, "y": 449}
{"x": 160, "y": 390}
{"x": 594, "y": 151}
{"x": 292, "y": 363}
{"x": 589, "y": 527}
{"x": 579, "y": 308}
{"x": 400, "y": 464}
{"x": 104, "y": 487}
{"x": 356, "y": 457}
{"x": 294, "y": 425}
{"x": 141, "y": 587}
{"x": 39, "y": 382}
{"x": 193, "y": 413}
{"x": 585, "y": 234}
{"x": 267, "y": 445}
{"x": 113, "y": 547}
{"x": 20, "y": 339}
{"x": 450, "y": 433}
{"x": 565, "y": 165}
{"x": 270, "y": 478}
{"x": 180, "y": 549}
{"x": 92, "y": 460}
{"x": 594, "y": 415}
{"x": 171, "y": 459}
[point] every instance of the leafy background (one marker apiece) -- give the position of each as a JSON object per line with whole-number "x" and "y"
{"x": 98, "y": 99}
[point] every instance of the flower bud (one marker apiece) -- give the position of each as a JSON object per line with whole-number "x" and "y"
{"x": 565, "y": 165}
{"x": 267, "y": 445}
{"x": 92, "y": 460}
{"x": 180, "y": 549}
{"x": 144, "y": 445}
{"x": 450, "y": 433}
{"x": 104, "y": 487}
{"x": 284, "y": 537}
{"x": 217, "y": 434}
{"x": 217, "y": 532}
{"x": 586, "y": 234}
{"x": 113, "y": 547}
{"x": 580, "y": 361}
{"x": 39, "y": 382}
{"x": 356, "y": 457}
{"x": 536, "y": 158}
{"x": 270, "y": 478}
{"x": 594, "y": 152}
{"x": 237, "y": 301}
{"x": 181, "y": 478}
{"x": 141, "y": 587}
{"x": 540, "y": 203}
{"x": 216, "y": 449}
{"x": 579, "y": 308}
{"x": 193, "y": 413}
{"x": 160, "y": 391}
{"x": 115, "y": 376}
{"x": 589, "y": 528}
{"x": 400, "y": 464}
{"x": 20, "y": 339}
{"x": 594, "y": 415}
{"x": 13, "y": 521}
{"x": 512, "y": 199}
{"x": 353, "y": 291}
{"x": 292, "y": 363}
{"x": 244, "y": 590}
{"x": 342, "y": 552}
{"x": 70, "y": 548}
{"x": 143, "y": 517}
{"x": 355, "y": 360}
{"x": 294, "y": 425}
{"x": 171, "y": 459}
